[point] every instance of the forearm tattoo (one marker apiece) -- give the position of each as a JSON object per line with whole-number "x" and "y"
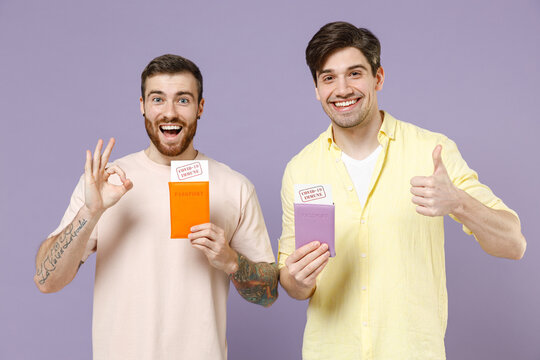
{"x": 256, "y": 282}
{"x": 44, "y": 270}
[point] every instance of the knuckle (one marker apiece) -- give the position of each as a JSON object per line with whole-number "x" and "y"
{"x": 294, "y": 272}
{"x": 288, "y": 263}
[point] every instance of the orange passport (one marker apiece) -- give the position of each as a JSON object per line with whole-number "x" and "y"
{"x": 190, "y": 205}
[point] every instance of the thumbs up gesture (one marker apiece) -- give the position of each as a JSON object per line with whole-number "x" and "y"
{"x": 435, "y": 195}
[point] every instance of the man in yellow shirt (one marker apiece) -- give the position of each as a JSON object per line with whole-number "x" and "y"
{"x": 383, "y": 296}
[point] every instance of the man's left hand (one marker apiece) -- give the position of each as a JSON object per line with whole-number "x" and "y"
{"x": 210, "y": 239}
{"x": 435, "y": 195}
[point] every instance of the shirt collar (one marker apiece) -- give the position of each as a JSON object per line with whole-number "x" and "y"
{"x": 328, "y": 135}
{"x": 388, "y": 130}
{"x": 388, "y": 127}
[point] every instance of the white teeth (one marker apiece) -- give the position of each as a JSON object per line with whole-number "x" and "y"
{"x": 171, "y": 127}
{"x": 346, "y": 103}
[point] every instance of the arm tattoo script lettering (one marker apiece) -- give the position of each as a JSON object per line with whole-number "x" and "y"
{"x": 56, "y": 252}
{"x": 256, "y": 282}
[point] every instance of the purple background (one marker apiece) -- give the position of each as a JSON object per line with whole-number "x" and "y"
{"x": 70, "y": 74}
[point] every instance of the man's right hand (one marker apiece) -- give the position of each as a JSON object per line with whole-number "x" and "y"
{"x": 302, "y": 268}
{"x": 99, "y": 193}
{"x": 59, "y": 256}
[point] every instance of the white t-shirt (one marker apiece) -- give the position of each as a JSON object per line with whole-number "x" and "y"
{"x": 360, "y": 172}
{"x": 157, "y": 297}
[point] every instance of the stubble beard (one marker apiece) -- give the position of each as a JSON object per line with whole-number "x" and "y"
{"x": 347, "y": 123}
{"x": 350, "y": 120}
{"x": 170, "y": 150}
{"x": 360, "y": 118}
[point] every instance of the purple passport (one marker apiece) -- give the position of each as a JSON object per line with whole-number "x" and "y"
{"x": 314, "y": 222}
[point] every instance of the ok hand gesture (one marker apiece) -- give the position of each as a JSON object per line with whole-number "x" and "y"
{"x": 435, "y": 195}
{"x": 99, "y": 193}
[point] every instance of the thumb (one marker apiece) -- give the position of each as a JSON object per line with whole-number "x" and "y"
{"x": 437, "y": 159}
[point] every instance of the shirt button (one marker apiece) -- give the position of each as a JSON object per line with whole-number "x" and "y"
{"x": 364, "y": 288}
{"x": 337, "y": 160}
{"x": 350, "y": 188}
{"x": 362, "y": 221}
{"x": 363, "y": 255}
{"x": 364, "y": 323}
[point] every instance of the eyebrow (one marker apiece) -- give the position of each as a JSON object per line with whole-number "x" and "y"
{"x": 178, "y": 93}
{"x": 328, "y": 71}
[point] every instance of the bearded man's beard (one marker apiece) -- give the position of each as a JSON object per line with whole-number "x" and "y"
{"x": 187, "y": 134}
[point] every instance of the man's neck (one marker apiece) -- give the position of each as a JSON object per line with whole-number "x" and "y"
{"x": 360, "y": 141}
{"x": 153, "y": 154}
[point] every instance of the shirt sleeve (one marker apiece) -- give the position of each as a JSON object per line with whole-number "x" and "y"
{"x": 251, "y": 236}
{"x": 75, "y": 204}
{"x": 466, "y": 179}
{"x": 286, "y": 241}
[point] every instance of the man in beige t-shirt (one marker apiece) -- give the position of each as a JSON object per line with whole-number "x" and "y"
{"x": 157, "y": 297}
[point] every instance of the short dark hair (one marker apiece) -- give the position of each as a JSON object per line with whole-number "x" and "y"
{"x": 339, "y": 35}
{"x": 171, "y": 64}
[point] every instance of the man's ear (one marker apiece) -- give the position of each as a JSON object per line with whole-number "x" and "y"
{"x": 141, "y": 103}
{"x": 380, "y": 78}
{"x": 201, "y": 108}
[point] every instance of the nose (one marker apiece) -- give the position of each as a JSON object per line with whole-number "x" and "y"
{"x": 170, "y": 110}
{"x": 343, "y": 89}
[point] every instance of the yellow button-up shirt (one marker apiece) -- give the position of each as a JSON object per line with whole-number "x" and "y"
{"x": 384, "y": 295}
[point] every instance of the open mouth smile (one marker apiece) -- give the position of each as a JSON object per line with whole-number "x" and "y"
{"x": 170, "y": 130}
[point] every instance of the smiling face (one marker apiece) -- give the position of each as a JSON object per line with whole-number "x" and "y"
{"x": 170, "y": 108}
{"x": 347, "y": 88}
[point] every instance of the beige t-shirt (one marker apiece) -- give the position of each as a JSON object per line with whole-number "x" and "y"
{"x": 157, "y": 297}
